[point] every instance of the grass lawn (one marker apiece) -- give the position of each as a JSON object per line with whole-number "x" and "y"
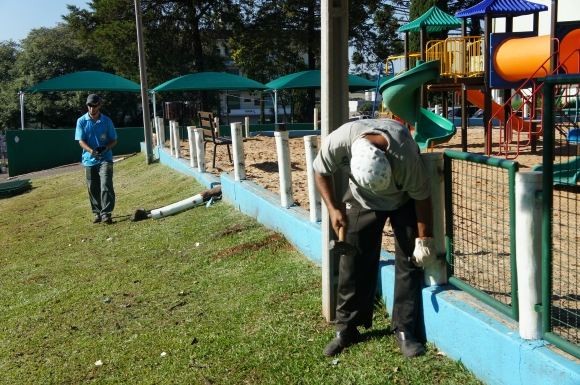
{"x": 208, "y": 296}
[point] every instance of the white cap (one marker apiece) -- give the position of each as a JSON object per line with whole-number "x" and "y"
{"x": 369, "y": 166}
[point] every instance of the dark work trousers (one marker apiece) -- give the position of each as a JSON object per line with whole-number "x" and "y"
{"x": 100, "y": 185}
{"x": 357, "y": 280}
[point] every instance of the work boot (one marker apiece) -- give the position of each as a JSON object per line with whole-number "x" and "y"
{"x": 107, "y": 219}
{"x": 96, "y": 219}
{"x": 341, "y": 341}
{"x": 409, "y": 345}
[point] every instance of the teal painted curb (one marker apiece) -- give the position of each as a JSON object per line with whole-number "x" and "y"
{"x": 486, "y": 341}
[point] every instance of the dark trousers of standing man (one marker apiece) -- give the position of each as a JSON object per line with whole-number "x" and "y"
{"x": 357, "y": 280}
{"x": 100, "y": 185}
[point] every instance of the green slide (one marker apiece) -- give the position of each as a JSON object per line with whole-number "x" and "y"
{"x": 566, "y": 173}
{"x": 402, "y": 96}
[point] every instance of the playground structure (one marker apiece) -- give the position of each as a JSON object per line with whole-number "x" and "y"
{"x": 514, "y": 61}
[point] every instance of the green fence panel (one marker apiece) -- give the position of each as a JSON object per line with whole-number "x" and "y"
{"x": 480, "y": 237}
{"x": 36, "y": 150}
{"x": 561, "y": 221}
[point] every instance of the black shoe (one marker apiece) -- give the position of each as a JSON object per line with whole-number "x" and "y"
{"x": 107, "y": 219}
{"x": 409, "y": 345}
{"x": 341, "y": 341}
{"x": 96, "y": 219}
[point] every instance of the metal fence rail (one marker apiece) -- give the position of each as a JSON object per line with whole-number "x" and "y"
{"x": 560, "y": 223}
{"x": 479, "y": 209}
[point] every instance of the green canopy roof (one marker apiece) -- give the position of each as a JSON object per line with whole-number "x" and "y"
{"x": 86, "y": 81}
{"x": 210, "y": 81}
{"x": 433, "y": 20}
{"x": 312, "y": 79}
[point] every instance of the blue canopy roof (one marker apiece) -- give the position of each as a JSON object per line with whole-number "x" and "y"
{"x": 501, "y": 8}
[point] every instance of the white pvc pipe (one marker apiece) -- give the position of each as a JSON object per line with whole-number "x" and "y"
{"x": 437, "y": 109}
{"x": 177, "y": 140}
{"x": 283, "y": 150}
{"x": 177, "y": 207}
{"x": 311, "y": 149}
{"x": 436, "y": 273}
{"x": 247, "y": 121}
{"x": 529, "y": 252}
{"x": 199, "y": 148}
{"x": 171, "y": 140}
{"x": 238, "y": 147}
{"x": 192, "y": 146}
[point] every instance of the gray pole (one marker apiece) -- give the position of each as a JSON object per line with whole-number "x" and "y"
{"x": 144, "y": 90}
{"x": 21, "y": 96}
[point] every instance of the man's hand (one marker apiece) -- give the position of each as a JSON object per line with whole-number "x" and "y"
{"x": 337, "y": 219}
{"x": 100, "y": 149}
{"x": 424, "y": 253}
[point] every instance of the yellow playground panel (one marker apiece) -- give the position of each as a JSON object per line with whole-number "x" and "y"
{"x": 460, "y": 56}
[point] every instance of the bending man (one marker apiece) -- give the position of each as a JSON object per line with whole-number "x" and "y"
{"x": 387, "y": 179}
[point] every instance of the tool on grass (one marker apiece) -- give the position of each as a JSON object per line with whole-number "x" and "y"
{"x": 212, "y": 195}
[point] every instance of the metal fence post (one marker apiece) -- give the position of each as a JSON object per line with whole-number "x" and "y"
{"x": 529, "y": 252}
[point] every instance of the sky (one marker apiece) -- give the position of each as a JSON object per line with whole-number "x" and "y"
{"x": 18, "y": 17}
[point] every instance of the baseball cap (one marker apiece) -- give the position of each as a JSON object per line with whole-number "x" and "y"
{"x": 93, "y": 99}
{"x": 369, "y": 166}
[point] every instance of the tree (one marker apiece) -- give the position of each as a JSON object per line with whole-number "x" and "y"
{"x": 180, "y": 36}
{"x": 9, "y": 113}
{"x": 44, "y": 54}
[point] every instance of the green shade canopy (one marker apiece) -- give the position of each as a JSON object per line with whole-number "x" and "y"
{"x": 433, "y": 20}
{"x": 210, "y": 81}
{"x": 312, "y": 79}
{"x": 86, "y": 81}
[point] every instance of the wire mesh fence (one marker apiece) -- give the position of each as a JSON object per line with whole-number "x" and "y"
{"x": 561, "y": 238}
{"x": 565, "y": 237}
{"x": 480, "y": 242}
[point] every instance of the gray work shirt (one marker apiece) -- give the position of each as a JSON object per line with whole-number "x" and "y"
{"x": 409, "y": 176}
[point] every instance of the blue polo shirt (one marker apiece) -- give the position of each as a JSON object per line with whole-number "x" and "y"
{"x": 95, "y": 134}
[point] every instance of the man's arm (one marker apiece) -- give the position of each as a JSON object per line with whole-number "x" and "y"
{"x": 111, "y": 143}
{"x": 325, "y": 185}
{"x": 424, "y": 209}
{"x": 87, "y": 148}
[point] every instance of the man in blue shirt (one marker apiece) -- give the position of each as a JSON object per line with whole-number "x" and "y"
{"x": 96, "y": 135}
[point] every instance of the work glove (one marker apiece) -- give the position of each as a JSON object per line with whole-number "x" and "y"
{"x": 424, "y": 253}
